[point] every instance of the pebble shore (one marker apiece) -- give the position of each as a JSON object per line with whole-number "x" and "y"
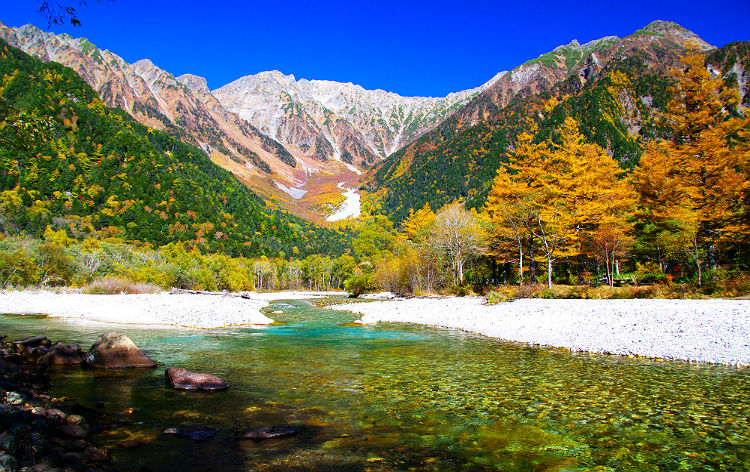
{"x": 714, "y": 331}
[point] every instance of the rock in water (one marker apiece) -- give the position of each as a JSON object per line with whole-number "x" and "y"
{"x": 116, "y": 351}
{"x": 60, "y": 354}
{"x": 183, "y": 379}
{"x": 270, "y": 432}
{"x": 33, "y": 341}
{"x": 197, "y": 433}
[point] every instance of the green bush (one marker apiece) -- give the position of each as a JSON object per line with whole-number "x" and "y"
{"x": 55, "y": 266}
{"x": 18, "y": 269}
{"x": 358, "y": 284}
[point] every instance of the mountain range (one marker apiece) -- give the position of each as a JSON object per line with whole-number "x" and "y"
{"x": 300, "y": 143}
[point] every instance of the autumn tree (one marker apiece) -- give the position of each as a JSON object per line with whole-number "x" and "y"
{"x": 511, "y": 204}
{"x": 694, "y": 181}
{"x": 456, "y": 230}
{"x": 557, "y": 194}
{"x": 417, "y": 223}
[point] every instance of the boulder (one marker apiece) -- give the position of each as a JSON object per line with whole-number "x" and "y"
{"x": 182, "y": 379}
{"x": 270, "y": 432}
{"x": 33, "y": 341}
{"x": 61, "y": 354}
{"x": 116, "y": 351}
{"x": 196, "y": 433}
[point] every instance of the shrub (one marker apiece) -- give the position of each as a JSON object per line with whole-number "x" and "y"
{"x": 56, "y": 267}
{"x": 17, "y": 269}
{"x": 500, "y": 295}
{"x": 357, "y": 284}
{"x": 115, "y": 285}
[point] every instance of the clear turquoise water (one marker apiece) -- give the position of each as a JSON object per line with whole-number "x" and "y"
{"x": 399, "y": 397}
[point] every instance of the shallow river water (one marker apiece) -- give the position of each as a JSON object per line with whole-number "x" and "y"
{"x": 401, "y": 397}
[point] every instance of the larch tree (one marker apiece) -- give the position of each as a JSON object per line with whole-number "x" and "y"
{"x": 696, "y": 179}
{"x": 511, "y": 204}
{"x": 417, "y": 223}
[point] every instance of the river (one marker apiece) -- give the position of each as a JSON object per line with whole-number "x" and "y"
{"x": 401, "y": 397}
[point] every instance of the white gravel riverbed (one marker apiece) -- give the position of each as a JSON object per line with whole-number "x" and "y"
{"x": 716, "y": 331}
{"x": 151, "y": 310}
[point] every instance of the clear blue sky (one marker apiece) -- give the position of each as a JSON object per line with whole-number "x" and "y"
{"x": 408, "y": 47}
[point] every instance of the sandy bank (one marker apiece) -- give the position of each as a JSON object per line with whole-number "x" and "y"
{"x": 716, "y": 331}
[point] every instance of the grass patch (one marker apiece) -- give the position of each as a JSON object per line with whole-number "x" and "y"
{"x": 117, "y": 285}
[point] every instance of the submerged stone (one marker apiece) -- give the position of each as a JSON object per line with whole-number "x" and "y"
{"x": 116, "y": 351}
{"x": 196, "y": 433}
{"x": 182, "y": 379}
{"x": 269, "y": 432}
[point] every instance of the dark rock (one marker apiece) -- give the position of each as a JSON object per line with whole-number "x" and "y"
{"x": 74, "y": 430}
{"x": 197, "y": 433}
{"x": 8, "y": 463}
{"x": 33, "y": 354}
{"x": 68, "y": 444}
{"x": 96, "y": 454}
{"x": 60, "y": 354}
{"x": 116, "y": 351}
{"x": 270, "y": 432}
{"x": 180, "y": 378}
{"x": 129, "y": 443}
{"x": 55, "y": 414}
{"x": 74, "y": 460}
{"x": 8, "y": 443}
{"x": 74, "y": 426}
{"x": 33, "y": 341}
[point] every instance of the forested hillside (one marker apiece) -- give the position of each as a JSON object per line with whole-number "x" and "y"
{"x": 72, "y": 163}
{"x": 614, "y": 89}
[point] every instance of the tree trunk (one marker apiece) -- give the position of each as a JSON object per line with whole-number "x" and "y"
{"x": 532, "y": 262}
{"x": 520, "y": 264}
{"x": 549, "y": 272}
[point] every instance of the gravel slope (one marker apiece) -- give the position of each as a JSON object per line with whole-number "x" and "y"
{"x": 716, "y": 331}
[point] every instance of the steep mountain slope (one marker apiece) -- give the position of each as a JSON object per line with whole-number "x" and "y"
{"x": 611, "y": 86}
{"x": 325, "y": 119}
{"x": 155, "y": 98}
{"x": 68, "y": 161}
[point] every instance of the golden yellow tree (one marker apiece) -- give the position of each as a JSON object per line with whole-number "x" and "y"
{"x": 417, "y": 223}
{"x": 558, "y": 194}
{"x": 510, "y": 205}
{"x": 696, "y": 179}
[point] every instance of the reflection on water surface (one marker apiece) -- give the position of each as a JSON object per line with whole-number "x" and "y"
{"x": 399, "y": 397}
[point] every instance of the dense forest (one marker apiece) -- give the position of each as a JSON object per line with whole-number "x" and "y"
{"x": 73, "y": 164}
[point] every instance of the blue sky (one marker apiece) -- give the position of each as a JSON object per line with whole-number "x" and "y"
{"x": 408, "y": 47}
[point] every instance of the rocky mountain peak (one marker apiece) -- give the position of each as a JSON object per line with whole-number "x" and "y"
{"x": 681, "y": 34}
{"x": 195, "y": 83}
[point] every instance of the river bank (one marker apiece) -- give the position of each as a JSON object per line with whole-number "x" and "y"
{"x": 40, "y": 432}
{"x": 714, "y": 331}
